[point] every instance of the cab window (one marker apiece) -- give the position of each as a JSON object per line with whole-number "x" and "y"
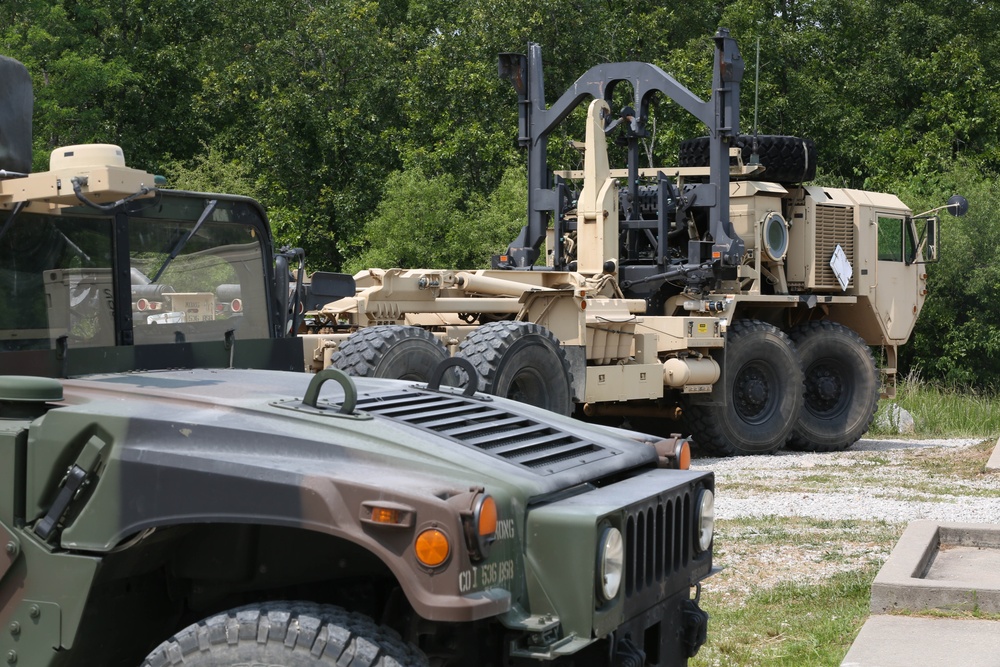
{"x": 895, "y": 244}
{"x": 55, "y": 281}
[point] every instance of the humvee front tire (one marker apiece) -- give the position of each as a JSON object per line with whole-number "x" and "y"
{"x": 390, "y": 351}
{"x": 841, "y": 387}
{"x": 522, "y": 361}
{"x": 761, "y": 388}
{"x": 290, "y": 634}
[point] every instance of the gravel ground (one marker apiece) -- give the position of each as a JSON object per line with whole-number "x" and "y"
{"x": 802, "y": 517}
{"x": 860, "y": 485}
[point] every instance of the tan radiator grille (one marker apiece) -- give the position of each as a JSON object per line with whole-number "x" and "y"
{"x": 834, "y": 226}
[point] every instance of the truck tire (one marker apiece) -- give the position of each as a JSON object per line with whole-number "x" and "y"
{"x": 761, "y": 388}
{"x": 841, "y": 387}
{"x": 786, "y": 159}
{"x": 522, "y": 361}
{"x": 390, "y": 351}
{"x": 290, "y": 634}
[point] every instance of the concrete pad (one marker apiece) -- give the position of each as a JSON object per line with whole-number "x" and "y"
{"x": 993, "y": 465}
{"x": 950, "y": 566}
{"x": 954, "y": 563}
{"x": 907, "y": 641}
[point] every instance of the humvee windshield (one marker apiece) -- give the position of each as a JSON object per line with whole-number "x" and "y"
{"x": 189, "y": 282}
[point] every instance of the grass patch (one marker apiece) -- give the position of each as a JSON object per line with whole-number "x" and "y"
{"x": 940, "y": 411}
{"x": 963, "y": 462}
{"x": 798, "y": 531}
{"x": 789, "y": 624}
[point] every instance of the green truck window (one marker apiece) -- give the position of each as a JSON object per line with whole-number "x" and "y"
{"x": 895, "y": 240}
{"x": 214, "y": 283}
{"x": 890, "y": 239}
{"x": 55, "y": 277}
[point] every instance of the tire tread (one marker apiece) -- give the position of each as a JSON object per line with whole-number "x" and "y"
{"x": 361, "y": 353}
{"x": 798, "y": 441}
{"x": 315, "y": 633}
{"x": 486, "y": 346}
{"x": 704, "y": 421}
{"x": 786, "y": 159}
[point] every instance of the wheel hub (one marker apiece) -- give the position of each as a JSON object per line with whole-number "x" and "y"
{"x": 753, "y": 393}
{"x": 824, "y": 389}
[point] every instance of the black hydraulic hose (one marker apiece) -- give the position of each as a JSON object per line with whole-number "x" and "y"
{"x": 667, "y": 275}
{"x": 79, "y": 181}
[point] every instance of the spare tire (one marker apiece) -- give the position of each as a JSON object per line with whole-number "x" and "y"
{"x": 391, "y": 351}
{"x": 785, "y": 159}
{"x": 522, "y": 361}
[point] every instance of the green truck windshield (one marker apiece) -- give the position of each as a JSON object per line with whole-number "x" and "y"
{"x": 56, "y": 280}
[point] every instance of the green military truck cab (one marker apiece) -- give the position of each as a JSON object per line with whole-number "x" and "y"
{"x": 175, "y": 491}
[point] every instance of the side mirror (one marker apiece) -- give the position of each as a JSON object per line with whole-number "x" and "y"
{"x": 282, "y": 285}
{"x": 958, "y": 205}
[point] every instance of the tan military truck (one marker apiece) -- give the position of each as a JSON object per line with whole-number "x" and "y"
{"x": 724, "y": 297}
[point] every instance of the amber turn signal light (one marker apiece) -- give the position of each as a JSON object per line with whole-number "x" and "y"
{"x": 432, "y": 547}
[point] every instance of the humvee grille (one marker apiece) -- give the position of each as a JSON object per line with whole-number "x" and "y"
{"x": 658, "y": 534}
{"x": 834, "y": 226}
{"x": 489, "y": 428}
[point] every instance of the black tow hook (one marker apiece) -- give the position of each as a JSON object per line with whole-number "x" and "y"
{"x": 627, "y": 654}
{"x": 695, "y": 626}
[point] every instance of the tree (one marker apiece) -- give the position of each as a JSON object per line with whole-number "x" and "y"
{"x": 427, "y": 222}
{"x": 957, "y": 337}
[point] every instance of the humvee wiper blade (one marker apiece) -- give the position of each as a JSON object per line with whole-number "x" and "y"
{"x": 209, "y": 207}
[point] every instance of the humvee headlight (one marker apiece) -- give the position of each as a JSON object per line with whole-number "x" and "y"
{"x": 706, "y": 519}
{"x": 610, "y": 563}
{"x": 481, "y": 527}
{"x": 432, "y": 547}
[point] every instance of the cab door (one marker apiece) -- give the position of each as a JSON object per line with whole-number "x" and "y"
{"x": 899, "y": 288}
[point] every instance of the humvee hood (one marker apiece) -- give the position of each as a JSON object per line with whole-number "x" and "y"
{"x": 258, "y": 419}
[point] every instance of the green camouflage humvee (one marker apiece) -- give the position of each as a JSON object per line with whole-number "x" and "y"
{"x": 175, "y": 491}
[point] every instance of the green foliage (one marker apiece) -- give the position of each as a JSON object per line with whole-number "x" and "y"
{"x": 312, "y": 106}
{"x": 210, "y": 171}
{"x": 957, "y": 337}
{"x": 426, "y": 222}
{"x": 940, "y": 411}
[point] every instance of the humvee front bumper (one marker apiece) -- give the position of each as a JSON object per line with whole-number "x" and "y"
{"x": 657, "y": 516}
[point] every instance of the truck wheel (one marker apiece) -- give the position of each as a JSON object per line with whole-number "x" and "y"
{"x": 291, "y": 634}
{"x": 761, "y": 391}
{"x": 786, "y": 159}
{"x": 841, "y": 387}
{"x": 522, "y": 361}
{"x": 390, "y": 351}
